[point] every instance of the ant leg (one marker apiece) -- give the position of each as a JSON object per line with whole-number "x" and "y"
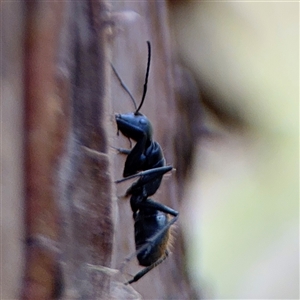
{"x": 148, "y": 203}
{"x": 148, "y": 184}
{"x": 143, "y": 272}
{"x": 130, "y": 143}
{"x": 122, "y": 150}
{"x": 155, "y": 172}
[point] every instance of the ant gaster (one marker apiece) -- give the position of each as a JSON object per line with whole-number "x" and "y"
{"x": 151, "y": 219}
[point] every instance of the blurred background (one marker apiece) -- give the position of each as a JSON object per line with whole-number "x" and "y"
{"x": 240, "y": 211}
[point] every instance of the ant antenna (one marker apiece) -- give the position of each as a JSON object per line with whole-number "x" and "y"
{"x": 123, "y": 85}
{"x": 146, "y": 78}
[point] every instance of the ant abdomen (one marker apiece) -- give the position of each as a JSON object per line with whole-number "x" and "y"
{"x": 149, "y": 222}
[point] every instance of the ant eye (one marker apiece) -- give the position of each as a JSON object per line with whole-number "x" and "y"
{"x": 143, "y": 121}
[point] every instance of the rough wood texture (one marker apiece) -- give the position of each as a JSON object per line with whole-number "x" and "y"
{"x": 43, "y": 121}
{"x": 12, "y": 151}
{"x": 85, "y": 179}
{"x": 65, "y": 96}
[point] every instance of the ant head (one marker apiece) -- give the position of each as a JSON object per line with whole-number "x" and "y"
{"x": 134, "y": 125}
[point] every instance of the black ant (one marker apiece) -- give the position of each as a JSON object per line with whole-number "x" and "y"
{"x": 151, "y": 220}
